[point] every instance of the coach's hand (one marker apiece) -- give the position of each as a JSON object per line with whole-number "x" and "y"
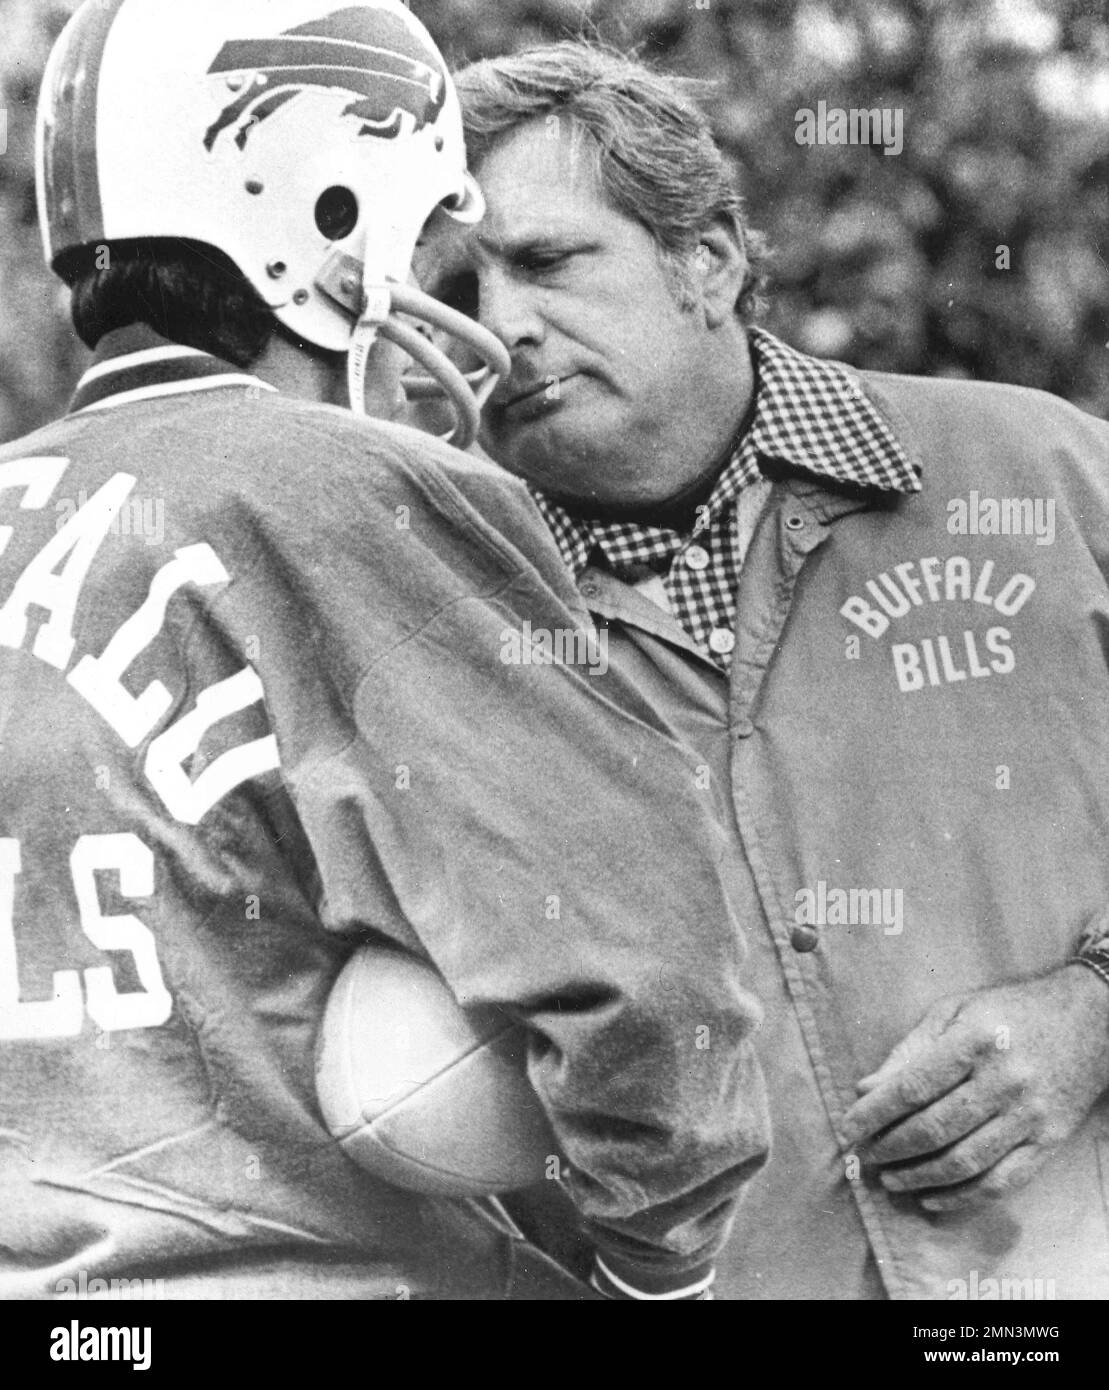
{"x": 976, "y": 1098}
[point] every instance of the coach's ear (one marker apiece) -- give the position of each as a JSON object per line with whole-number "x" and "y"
{"x": 719, "y": 268}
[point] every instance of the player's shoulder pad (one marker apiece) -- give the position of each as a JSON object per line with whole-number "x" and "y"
{"x": 391, "y": 465}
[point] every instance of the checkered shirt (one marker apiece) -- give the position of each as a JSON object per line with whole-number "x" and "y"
{"x": 809, "y": 415}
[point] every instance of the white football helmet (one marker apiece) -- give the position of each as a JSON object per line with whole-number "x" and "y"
{"x": 307, "y": 141}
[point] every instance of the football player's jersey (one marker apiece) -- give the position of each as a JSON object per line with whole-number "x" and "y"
{"x": 268, "y": 682}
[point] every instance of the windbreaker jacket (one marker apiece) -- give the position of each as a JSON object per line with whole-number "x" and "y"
{"x": 913, "y": 747}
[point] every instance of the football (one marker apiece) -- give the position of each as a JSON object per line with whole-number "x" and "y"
{"x": 422, "y": 1092}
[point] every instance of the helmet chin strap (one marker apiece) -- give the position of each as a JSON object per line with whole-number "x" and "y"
{"x": 377, "y": 308}
{"x": 467, "y": 392}
{"x": 374, "y": 312}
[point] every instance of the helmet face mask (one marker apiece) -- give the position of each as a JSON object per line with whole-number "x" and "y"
{"x": 292, "y": 135}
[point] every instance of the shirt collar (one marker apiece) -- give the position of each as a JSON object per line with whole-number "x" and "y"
{"x": 136, "y": 364}
{"x": 809, "y": 415}
{"x": 813, "y": 415}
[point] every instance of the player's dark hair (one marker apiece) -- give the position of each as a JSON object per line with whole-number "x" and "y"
{"x": 188, "y": 292}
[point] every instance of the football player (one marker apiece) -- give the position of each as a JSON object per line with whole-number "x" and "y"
{"x": 254, "y": 705}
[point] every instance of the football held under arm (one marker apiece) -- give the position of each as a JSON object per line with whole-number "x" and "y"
{"x": 574, "y": 887}
{"x": 531, "y": 830}
{"x": 592, "y": 911}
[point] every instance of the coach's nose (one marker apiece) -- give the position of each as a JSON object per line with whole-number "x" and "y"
{"x": 511, "y": 311}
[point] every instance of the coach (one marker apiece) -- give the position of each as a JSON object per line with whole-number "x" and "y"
{"x": 844, "y": 588}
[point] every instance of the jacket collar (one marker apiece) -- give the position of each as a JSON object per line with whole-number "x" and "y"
{"x": 811, "y": 419}
{"x": 136, "y": 364}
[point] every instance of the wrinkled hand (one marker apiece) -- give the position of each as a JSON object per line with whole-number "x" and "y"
{"x": 975, "y": 1099}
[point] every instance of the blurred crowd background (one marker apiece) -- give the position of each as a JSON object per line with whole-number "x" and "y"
{"x": 886, "y": 262}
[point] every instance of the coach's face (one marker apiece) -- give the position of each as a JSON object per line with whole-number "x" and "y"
{"x": 607, "y": 366}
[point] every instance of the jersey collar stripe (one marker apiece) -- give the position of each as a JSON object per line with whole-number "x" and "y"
{"x": 175, "y": 388}
{"x": 137, "y": 359}
{"x": 173, "y": 370}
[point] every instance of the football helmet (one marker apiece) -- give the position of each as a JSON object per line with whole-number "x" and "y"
{"x": 307, "y": 141}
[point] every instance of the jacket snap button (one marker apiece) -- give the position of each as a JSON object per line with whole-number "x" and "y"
{"x": 794, "y": 523}
{"x": 804, "y": 939}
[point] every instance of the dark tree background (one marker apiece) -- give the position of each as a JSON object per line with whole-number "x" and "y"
{"x": 888, "y": 262}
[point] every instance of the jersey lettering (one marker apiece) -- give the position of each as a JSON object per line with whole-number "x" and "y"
{"x": 60, "y": 1017}
{"x": 99, "y": 679}
{"x": 79, "y": 540}
{"x": 111, "y": 1011}
{"x": 38, "y": 477}
{"x": 63, "y": 1016}
{"x": 189, "y": 801}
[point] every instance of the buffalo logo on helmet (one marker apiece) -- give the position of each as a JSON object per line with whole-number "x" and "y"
{"x": 370, "y": 54}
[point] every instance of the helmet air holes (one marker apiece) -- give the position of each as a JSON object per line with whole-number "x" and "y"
{"x": 337, "y": 213}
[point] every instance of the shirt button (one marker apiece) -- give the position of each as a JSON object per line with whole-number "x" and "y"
{"x": 794, "y": 523}
{"x": 721, "y": 641}
{"x": 696, "y": 557}
{"x": 590, "y": 589}
{"x": 804, "y": 939}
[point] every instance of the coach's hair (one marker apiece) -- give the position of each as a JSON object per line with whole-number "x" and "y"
{"x": 656, "y": 156}
{"x": 188, "y": 292}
